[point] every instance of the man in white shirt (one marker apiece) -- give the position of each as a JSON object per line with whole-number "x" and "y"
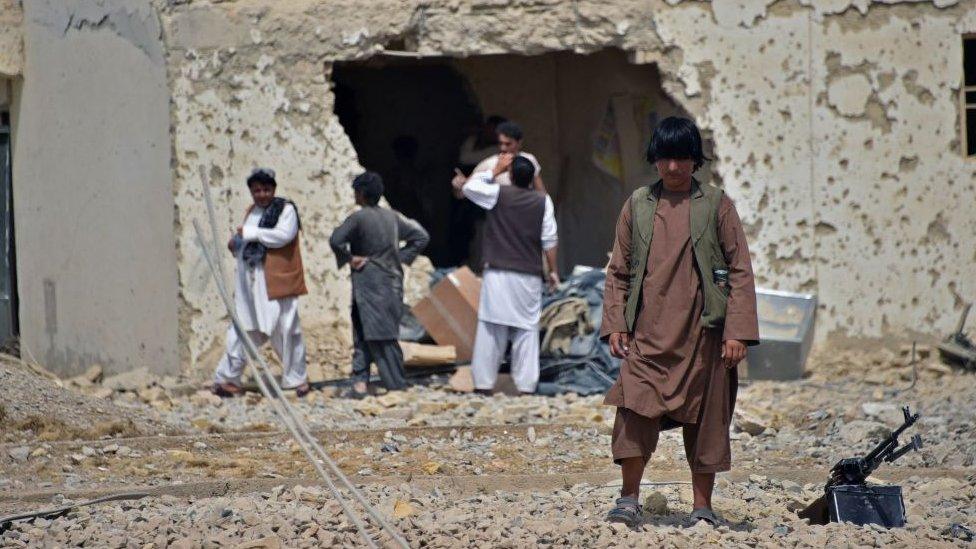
{"x": 269, "y": 278}
{"x": 510, "y": 137}
{"x": 519, "y": 229}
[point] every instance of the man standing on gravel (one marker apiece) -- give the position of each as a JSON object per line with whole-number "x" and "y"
{"x": 269, "y": 279}
{"x": 520, "y": 230}
{"x": 369, "y": 241}
{"x": 680, "y": 309}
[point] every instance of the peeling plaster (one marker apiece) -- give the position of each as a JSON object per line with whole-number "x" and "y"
{"x": 11, "y": 38}
{"x": 833, "y": 124}
{"x": 849, "y": 94}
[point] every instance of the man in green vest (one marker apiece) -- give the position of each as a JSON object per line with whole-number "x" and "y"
{"x": 679, "y": 309}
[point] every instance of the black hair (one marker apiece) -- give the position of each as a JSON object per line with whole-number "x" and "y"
{"x": 677, "y": 138}
{"x": 265, "y": 176}
{"x": 370, "y": 184}
{"x": 510, "y": 129}
{"x": 495, "y": 120}
{"x": 523, "y": 172}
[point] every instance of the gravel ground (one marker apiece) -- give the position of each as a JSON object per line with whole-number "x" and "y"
{"x": 756, "y": 513}
{"x": 33, "y": 407}
{"x": 785, "y": 437}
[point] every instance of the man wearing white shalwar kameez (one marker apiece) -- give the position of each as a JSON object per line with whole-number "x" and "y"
{"x": 266, "y": 289}
{"x": 520, "y": 229}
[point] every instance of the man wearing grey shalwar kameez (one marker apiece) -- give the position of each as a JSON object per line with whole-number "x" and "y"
{"x": 369, "y": 241}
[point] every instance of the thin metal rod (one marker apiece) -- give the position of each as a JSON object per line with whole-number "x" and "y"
{"x": 282, "y": 415}
{"x": 208, "y": 198}
{"x": 258, "y": 363}
{"x": 252, "y": 349}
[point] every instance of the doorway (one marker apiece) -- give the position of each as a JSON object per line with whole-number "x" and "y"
{"x": 587, "y": 118}
{"x": 8, "y": 274}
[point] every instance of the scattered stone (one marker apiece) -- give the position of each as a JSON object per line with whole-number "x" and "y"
{"x": 656, "y": 503}
{"x": 749, "y": 424}
{"x": 19, "y": 453}
{"x": 403, "y": 509}
{"x": 884, "y": 412}
{"x": 940, "y": 486}
{"x": 861, "y": 430}
{"x": 530, "y": 434}
{"x": 76, "y": 459}
{"x": 431, "y": 467}
{"x": 133, "y": 380}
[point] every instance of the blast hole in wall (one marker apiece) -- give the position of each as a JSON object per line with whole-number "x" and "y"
{"x": 587, "y": 118}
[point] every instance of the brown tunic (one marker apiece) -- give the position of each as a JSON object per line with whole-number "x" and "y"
{"x": 674, "y": 371}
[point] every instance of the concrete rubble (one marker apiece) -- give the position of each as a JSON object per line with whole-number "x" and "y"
{"x": 456, "y": 469}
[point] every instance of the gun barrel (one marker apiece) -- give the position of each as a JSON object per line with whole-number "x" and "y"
{"x": 891, "y": 442}
{"x": 915, "y": 444}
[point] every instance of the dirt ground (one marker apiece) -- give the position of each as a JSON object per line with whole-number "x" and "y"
{"x": 456, "y": 470}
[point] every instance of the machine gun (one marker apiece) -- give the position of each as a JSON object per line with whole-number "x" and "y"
{"x": 848, "y": 498}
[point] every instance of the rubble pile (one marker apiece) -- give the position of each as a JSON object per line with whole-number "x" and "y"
{"x": 438, "y": 460}
{"x": 757, "y": 512}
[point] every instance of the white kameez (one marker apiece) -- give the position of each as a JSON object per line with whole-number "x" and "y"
{"x": 509, "y": 305}
{"x": 265, "y": 319}
{"x": 488, "y": 165}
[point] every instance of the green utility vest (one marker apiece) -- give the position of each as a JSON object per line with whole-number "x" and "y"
{"x": 705, "y": 200}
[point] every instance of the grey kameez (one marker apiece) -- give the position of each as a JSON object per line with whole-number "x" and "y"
{"x": 377, "y": 289}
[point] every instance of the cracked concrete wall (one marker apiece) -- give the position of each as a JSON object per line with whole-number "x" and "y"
{"x": 93, "y": 196}
{"x": 842, "y": 156}
{"x": 11, "y": 38}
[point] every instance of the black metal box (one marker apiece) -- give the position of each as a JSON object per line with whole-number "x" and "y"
{"x": 863, "y": 504}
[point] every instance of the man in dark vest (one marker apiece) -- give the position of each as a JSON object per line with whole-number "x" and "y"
{"x": 268, "y": 281}
{"x": 369, "y": 241}
{"x": 680, "y": 309}
{"x": 520, "y": 228}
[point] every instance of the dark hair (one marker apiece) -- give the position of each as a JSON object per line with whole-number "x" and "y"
{"x": 370, "y": 184}
{"x": 523, "y": 172}
{"x": 495, "y": 120}
{"x": 510, "y": 129}
{"x": 678, "y": 138}
{"x": 265, "y": 176}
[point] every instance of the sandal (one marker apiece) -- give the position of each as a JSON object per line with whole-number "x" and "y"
{"x": 353, "y": 394}
{"x": 302, "y": 390}
{"x": 627, "y": 511}
{"x": 226, "y": 390}
{"x": 704, "y": 514}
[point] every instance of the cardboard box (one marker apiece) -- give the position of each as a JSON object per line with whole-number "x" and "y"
{"x": 450, "y": 312}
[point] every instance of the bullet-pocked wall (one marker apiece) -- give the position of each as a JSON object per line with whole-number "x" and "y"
{"x": 11, "y": 37}
{"x": 842, "y": 157}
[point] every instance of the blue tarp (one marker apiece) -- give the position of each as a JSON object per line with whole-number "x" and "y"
{"x": 588, "y": 367}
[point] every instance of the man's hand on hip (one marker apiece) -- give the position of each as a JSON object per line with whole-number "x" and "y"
{"x": 619, "y": 344}
{"x": 733, "y": 351}
{"x": 358, "y": 262}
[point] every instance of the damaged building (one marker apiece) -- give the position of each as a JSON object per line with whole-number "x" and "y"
{"x": 845, "y": 130}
